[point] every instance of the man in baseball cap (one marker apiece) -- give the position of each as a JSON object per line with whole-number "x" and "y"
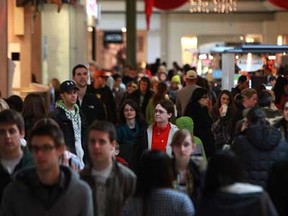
{"x": 243, "y": 83}
{"x": 183, "y": 95}
{"x": 68, "y": 86}
{"x": 70, "y": 119}
{"x": 191, "y": 75}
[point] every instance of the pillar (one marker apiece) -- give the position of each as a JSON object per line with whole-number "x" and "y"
{"x": 228, "y": 70}
{"x": 131, "y": 32}
{"x": 4, "y": 47}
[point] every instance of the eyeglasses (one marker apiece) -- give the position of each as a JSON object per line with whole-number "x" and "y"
{"x": 205, "y": 97}
{"x": 45, "y": 148}
{"x": 159, "y": 111}
{"x": 129, "y": 110}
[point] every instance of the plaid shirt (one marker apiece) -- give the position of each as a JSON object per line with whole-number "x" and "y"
{"x": 162, "y": 202}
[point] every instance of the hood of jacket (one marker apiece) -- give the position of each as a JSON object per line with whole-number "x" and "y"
{"x": 263, "y": 137}
{"x": 28, "y": 177}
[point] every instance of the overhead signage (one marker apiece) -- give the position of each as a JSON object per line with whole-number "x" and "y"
{"x": 113, "y": 37}
{"x": 250, "y": 62}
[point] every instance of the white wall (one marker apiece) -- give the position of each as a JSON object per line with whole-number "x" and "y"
{"x": 210, "y": 25}
{"x": 55, "y": 27}
{"x": 66, "y": 37}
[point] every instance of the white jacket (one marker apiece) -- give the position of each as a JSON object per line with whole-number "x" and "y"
{"x": 173, "y": 130}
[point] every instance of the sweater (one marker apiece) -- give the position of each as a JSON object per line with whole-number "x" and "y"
{"x": 23, "y": 197}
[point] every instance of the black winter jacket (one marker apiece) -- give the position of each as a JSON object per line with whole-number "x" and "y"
{"x": 258, "y": 148}
{"x": 66, "y": 126}
{"x": 92, "y": 108}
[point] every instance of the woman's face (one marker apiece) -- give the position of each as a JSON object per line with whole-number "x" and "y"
{"x": 185, "y": 149}
{"x": 204, "y": 101}
{"x": 224, "y": 99}
{"x": 129, "y": 112}
{"x": 251, "y": 102}
{"x": 285, "y": 111}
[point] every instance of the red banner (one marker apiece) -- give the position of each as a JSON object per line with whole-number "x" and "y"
{"x": 160, "y": 4}
{"x": 280, "y": 3}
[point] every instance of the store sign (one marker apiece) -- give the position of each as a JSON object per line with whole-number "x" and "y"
{"x": 250, "y": 63}
{"x": 113, "y": 37}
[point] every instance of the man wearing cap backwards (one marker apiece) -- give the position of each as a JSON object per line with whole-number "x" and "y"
{"x": 184, "y": 94}
{"x": 70, "y": 119}
{"x": 104, "y": 93}
{"x": 243, "y": 83}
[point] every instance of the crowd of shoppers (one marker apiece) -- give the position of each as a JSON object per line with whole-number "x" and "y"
{"x": 114, "y": 149}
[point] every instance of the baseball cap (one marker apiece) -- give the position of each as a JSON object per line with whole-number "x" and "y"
{"x": 100, "y": 73}
{"x": 191, "y": 74}
{"x": 68, "y": 86}
{"x": 242, "y": 79}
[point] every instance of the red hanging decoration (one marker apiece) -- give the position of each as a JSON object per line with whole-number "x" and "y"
{"x": 168, "y": 5}
{"x": 160, "y": 4}
{"x": 280, "y": 3}
{"x": 148, "y": 10}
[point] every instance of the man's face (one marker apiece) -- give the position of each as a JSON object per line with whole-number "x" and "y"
{"x": 117, "y": 82}
{"x": 100, "y": 147}
{"x": 143, "y": 87}
{"x": 44, "y": 152}
{"x": 10, "y": 137}
{"x": 161, "y": 115}
{"x": 69, "y": 98}
{"x": 81, "y": 77}
{"x": 101, "y": 80}
{"x": 245, "y": 85}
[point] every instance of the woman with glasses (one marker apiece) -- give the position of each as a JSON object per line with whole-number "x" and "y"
{"x": 197, "y": 109}
{"x": 161, "y": 94}
{"x": 159, "y": 134}
{"x": 132, "y": 123}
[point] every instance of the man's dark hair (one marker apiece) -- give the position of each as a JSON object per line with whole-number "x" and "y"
{"x": 103, "y": 126}
{"x": 153, "y": 171}
{"x": 48, "y": 127}
{"x": 15, "y": 102}
{"x": 76, "y": 67}
{"x": 223, "y": 169}
{"x": 242, "y": 79}
{"x": 116, "y": 76}
{"x": 167, "y": 105}
{"x": 146, "y": 80}
{"x": 10, "y": 116}
{"x": 264, "y": 99}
